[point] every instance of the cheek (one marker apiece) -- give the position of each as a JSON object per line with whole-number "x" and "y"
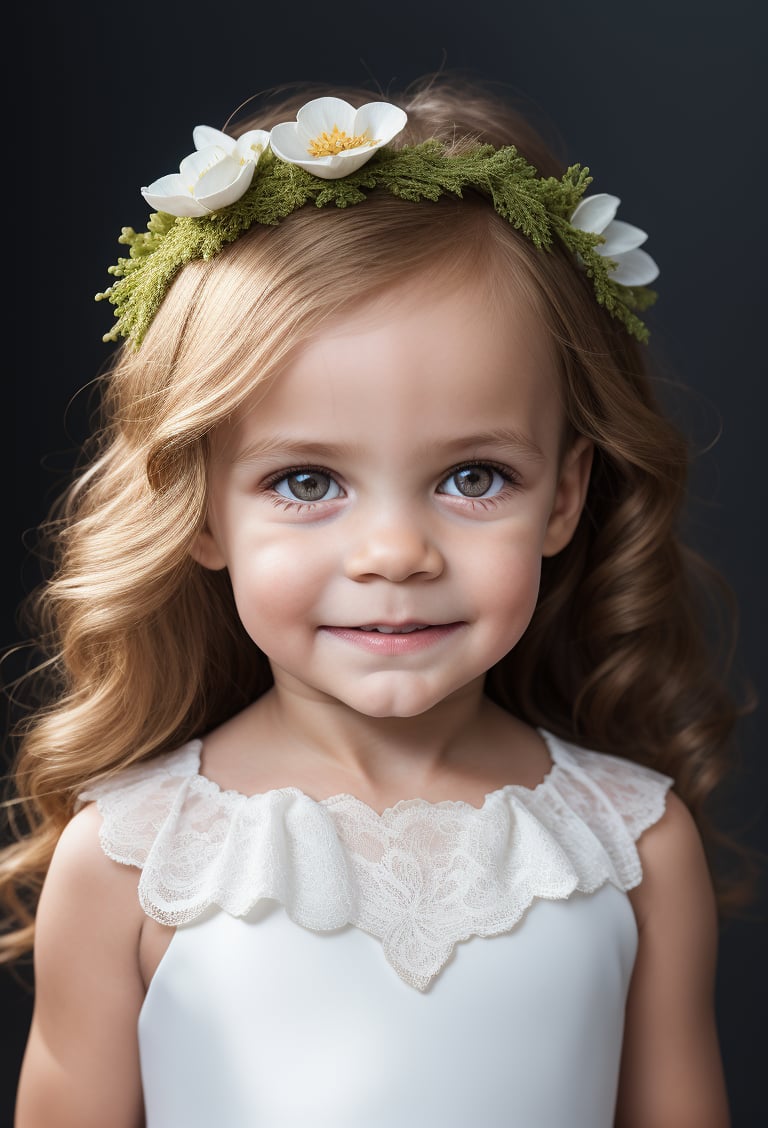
{"x": 510, "y": 582}
{"x": 272, "y": 583}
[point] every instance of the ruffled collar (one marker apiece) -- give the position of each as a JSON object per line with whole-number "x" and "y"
{"x": 420, "y": 876}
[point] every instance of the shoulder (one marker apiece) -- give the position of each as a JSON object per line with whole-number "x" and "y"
{"x": 675, "y": 871}
{"x": 88, "y": 919}
{"x": 676, "y": 828}
{"x": 619, "y": 799}
{"x": 86, "y": 894}
{"x": 79, "y": 863}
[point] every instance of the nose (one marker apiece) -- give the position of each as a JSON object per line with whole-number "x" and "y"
{"x": 395, "y": 551}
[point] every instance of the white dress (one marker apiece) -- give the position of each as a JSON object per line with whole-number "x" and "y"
{"x": 436, "y": 965}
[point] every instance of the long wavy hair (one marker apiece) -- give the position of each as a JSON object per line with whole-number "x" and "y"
{"x": 142, "y": 647}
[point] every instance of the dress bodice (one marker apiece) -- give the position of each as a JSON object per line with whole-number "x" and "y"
{"x": 434, "y": 964}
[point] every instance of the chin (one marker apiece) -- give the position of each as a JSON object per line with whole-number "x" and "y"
{"x": 395, "y": 711}
{"x": 384, "y": 704}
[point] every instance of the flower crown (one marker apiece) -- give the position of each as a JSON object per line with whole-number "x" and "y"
{"x": 334, "y": 154}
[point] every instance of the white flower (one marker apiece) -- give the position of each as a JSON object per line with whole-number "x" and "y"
{"x": 331, "y": 139}
{"x": 217, "y": 174}
{"x": 622, "y": 241}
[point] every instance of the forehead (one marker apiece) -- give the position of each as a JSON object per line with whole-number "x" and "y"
{"x": 422, "y": 357}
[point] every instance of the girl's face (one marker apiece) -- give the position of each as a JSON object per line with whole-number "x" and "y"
{"x": 383, "y": 507}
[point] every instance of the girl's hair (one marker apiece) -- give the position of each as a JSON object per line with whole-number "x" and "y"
{"x": 143, "y": 647}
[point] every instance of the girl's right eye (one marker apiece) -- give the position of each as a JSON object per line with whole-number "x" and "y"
{"x": 307, "y": 486}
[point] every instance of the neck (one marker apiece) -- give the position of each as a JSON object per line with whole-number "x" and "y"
{"x": 379, "y": 751}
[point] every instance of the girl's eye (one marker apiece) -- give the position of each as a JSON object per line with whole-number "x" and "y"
{"x": 307, "y": 486}
{"x": 477, "y": 480}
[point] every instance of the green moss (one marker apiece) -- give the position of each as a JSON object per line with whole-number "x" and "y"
{"x": 539, "y": 207}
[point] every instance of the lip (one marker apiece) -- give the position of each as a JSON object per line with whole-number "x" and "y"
{"x": 394, "y": 644}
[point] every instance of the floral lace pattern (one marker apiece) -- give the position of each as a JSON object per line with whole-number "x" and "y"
{"x": 420, "y": 877}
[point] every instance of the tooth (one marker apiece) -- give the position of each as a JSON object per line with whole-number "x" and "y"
{"x": 392, "y": 630}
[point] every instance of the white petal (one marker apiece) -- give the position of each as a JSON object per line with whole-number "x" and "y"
{"x": 318, "y": 166}
{"x": 251, "y": 145}
{"x": 197, "y": 164}
{"x": 215, "y": 191}
{"x": 286, "y": 144}
{"x": 619, "y": 238}
{"x": 321, "y": 114}
{"x": 205, "y": 135}
{"x": 171, "y": 185}
{"x": 181, "y": 204}
{"x": 344, "y": 163}
{"x": 635, "y": 268}
{"x": 218, "y": 176}
{"x": 183, "y": 207}
{"x": 333, "y": 168}
{"x": 380, "y": 120}
{"x": 595, "y": 212}
{"x": 290, "y": 140}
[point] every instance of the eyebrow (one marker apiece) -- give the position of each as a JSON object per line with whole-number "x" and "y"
{"x": 514, "y": 441}
{"x": 262, "y": 450}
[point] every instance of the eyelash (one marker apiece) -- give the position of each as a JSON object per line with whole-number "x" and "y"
{"x": 281, "y": 502}
{"x": 511, "y": 483}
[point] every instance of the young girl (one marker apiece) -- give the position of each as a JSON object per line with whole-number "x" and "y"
{"x": 369, "y": 790}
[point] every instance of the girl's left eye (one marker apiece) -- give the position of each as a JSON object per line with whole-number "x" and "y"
{"x": 474, "y": 481}
{"x": 307, "y": 486}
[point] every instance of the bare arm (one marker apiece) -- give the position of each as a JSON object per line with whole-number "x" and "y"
{"x": 81, "y": 1067}
{"x": 671, "y": 1074}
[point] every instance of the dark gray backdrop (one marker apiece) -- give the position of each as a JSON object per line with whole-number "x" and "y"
{"x": 665, "y": 102}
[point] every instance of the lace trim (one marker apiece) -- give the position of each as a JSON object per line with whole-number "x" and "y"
{"x": 420, "y": 876}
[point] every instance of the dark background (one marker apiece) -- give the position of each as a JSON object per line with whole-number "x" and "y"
{"x": 664, "y": 101}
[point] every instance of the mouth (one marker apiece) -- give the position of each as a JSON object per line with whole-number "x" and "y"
{"x": 395, "y": 628}
{"x": 394, "y": 639}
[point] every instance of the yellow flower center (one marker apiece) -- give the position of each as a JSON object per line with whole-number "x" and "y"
{"x": 337, "y": 141}
{"x": 256, "y": 148}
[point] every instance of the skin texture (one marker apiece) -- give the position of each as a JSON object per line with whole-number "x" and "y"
{"x": 410, "y": 465}
{"x": 387, "y": 406}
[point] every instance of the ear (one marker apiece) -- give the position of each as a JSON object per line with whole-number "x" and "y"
{"x": 570, "y": 495}
{"x": 205, "y": 550}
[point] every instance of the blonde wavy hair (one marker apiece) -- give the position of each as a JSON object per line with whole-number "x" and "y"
{"x": 143, "y": 647}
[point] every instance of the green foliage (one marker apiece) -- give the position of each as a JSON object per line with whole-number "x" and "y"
{"x": 539, "y": 207}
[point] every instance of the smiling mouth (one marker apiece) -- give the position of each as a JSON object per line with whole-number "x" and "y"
{"x": 394, "y": 639}
{"x": 405, "y": 628}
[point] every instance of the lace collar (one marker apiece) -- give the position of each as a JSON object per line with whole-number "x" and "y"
{"x": 420, "y": 876}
